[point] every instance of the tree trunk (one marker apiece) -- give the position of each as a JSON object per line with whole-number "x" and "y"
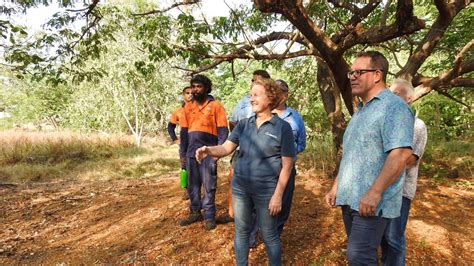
{"x": 332, "y": 102}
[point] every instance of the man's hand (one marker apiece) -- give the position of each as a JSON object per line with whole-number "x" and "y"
{"x": 176, "y": 141}
{"x": 331, "y": 198}
{"x": 368, "y": 203}
{"x": 275, "y": 204}
{"x": 331, "y": 195}
{"x": 201, "y": 153}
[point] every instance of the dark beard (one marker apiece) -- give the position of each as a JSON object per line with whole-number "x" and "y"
{"x": 199, "y": 97}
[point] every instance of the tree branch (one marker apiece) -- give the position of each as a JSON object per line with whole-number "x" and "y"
{"x": 351, "y": 25}
{"x": 218, "y": 59}
{"x": 383, "y": 19}
{"x": 151, "y": 12}
{"x": 345, "y": 4}
{"x": 443, "y": 8}
{"x": 295, "y": 12}
{"x": 405, "y": 23}
{"x": 432, "y": 38}
{"x": 462, "y": 82}
{"x": 449, "y": 96}
{"x": 89, "y": 8}
{"x": 425, "y": 85}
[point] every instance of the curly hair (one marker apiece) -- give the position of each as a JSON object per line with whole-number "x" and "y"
{"x": 272, "y": 90}
{"x": 204, "y": 81}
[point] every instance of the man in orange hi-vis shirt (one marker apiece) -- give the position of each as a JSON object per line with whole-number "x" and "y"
{"x": 175, "y": 119}
{"x": 178, "y": 113}
{"x": 204, "y": 124}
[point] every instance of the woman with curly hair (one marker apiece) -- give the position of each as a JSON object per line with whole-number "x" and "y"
{"x": 261, "y": 174}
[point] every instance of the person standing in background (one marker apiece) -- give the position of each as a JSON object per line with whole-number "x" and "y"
{"x": 393, "y": 241}
{"x": 299, "y": 133}
{"x": 174, "y": 120}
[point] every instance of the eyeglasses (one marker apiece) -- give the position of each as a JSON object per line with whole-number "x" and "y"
{"x": 357, "y": 73}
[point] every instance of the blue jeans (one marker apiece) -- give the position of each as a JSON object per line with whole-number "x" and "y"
{"x": 364, "y": 234}
{"x": 205, "y": 175}
{"x": 244, "y": 202}
{"x": 393, "y": 241}
{"x": 285, "y": 209}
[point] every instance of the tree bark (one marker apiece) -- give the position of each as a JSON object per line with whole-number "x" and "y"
{"x": 332, "y": 103}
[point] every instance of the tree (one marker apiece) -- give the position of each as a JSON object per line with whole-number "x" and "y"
{"x": 430, "y": 42}
{"x": 331, "y": 31}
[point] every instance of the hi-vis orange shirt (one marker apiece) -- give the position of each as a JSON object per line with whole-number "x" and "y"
{"x": 174, "y": 120}
{"x": 205, "y": 125}
{"x": 177, "y": 116}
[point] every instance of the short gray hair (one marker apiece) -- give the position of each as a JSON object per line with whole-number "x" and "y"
{"x": 406, "y": 85}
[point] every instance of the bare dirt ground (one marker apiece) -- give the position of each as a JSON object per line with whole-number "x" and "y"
{"x": 136, "y": 221}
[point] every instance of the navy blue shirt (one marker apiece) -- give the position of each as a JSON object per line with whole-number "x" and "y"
{"x": 259, "y": 163}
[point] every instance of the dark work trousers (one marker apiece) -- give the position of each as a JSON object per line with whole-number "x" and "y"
{"x": 285, "y": 209}
{"x": 364, "y": 234}
{"x": 205, "y": 175}
{"x": 286, "y": 201}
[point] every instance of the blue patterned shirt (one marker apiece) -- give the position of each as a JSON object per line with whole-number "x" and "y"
{"x": 383, "y": 124}
{"x": 242, "y": 110}
{"x": 297, "y": 125}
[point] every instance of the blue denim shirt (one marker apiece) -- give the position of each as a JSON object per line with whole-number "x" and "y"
{"x": 297, "y": 125}
{"x": 383, "y": 124}
{"x": 242, "y": 110}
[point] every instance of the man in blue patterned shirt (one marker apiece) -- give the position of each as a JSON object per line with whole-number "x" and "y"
{"x": 376, "y": 146}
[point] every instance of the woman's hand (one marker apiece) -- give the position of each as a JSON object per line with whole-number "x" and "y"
{"x": 201, "y": 153}
{"x": 275, "y": 204}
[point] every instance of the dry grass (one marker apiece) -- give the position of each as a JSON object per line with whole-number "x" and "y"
{"x": 41, "y": 156}
{"x": 56, "y": 147}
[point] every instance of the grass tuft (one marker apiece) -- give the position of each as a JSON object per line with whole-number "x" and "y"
{"x": 40, "y": 156}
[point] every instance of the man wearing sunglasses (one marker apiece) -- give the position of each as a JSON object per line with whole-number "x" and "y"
{"x": 377, "y": 144}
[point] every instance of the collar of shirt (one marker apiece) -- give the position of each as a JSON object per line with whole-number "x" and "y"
{"x": 273, "y": 120}
{"x": 380, "y": 96}
{"x": 286, "y": 113}
{"x": 208, "y": 100}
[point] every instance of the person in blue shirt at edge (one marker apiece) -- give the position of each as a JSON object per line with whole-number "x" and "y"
{"x": 261, "y": 173}
{"x": 376, "y": 146}
{"x": 241, "y": 111}
{"x": 299, "y": 133}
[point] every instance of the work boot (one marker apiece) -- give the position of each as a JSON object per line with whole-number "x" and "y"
{"x": 209, "y": 225}
{"x": 194, "y": 216}
{"x": 224, "y": 219}
{"x": 185, "y": 195}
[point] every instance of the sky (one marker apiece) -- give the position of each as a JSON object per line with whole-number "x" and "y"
{"x": 36, "y": 17}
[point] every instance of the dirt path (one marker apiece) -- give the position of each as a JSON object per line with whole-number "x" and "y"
{"x": 126, "y": 221}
